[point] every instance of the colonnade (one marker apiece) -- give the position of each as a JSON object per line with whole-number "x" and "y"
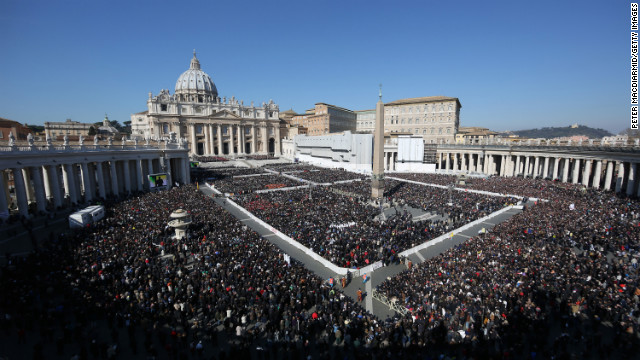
{"x": 38, "y": 181}
{"x": 239, "y": 139}
{"x": 616, "y": 172}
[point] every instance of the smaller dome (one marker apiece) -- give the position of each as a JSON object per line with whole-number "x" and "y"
{"x": 195, "y": 80}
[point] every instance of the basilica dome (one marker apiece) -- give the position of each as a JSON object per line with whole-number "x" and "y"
{"x": 196, "y": 81}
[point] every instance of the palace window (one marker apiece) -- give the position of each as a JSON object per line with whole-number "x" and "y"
{"x": 163, "y": 107}
{"x": 165, "y": 128}
{"x": 198, "y": 129}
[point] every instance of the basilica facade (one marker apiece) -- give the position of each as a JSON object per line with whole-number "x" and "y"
{"x": 211, "y": 125}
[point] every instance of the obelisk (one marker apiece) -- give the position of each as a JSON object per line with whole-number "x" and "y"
{"x": 377, "y": 181}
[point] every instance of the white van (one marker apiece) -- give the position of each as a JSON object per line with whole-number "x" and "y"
{"x": 86, "y": 216}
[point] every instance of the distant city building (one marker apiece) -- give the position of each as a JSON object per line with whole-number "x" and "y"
{"x": 365, "y": 121}
{"x": 7, "y": 126}
{"x": 474, "y": 135}
{"x": 615, "y": 139}
{"x": 574, "y": 138}
{"x": 106, "y": 129}
{"x": 325, "y": 118}
{"x": 72, "y": 128}
{"x": 435, "y": 118}
{"x": 211, "y": 125}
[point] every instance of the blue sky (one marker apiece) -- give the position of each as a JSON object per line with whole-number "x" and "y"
{"x": 513, "y": 64}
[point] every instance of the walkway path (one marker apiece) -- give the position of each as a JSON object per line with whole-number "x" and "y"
{"x": 375, "y": 277}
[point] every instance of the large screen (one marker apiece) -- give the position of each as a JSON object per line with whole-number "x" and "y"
{"x": 157, "y": 180}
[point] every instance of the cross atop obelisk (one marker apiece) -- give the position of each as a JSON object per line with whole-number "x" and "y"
{"x": 377, "y": 181}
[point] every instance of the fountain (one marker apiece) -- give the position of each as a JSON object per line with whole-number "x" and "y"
{"x": 180, "y": 219}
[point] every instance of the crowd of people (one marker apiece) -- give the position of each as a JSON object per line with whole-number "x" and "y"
{"x": 563, "y": 275}
{"x": 251, "y": 183}
{"x": 222, "y": 281}
{"x": 344, "y": 229}
{"x": 203, "y": 158}
{"x": 533, "y": 188}
{"x": 559, "y": 278}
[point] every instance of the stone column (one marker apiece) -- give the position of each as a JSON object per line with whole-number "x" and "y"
{"x": 4, "y": 205}
{"x": 277, "y": 142}
{"x": 127, "y": 176}
{"x": 70, "y": 183}
{"x": 207, "y": 139}
{"x": 517, "y": 168}
{"x": 545, "y": 171}
{"x": 620, "y": 178}
{"x": 565, "y": 170}
{"x": 485, "y": 165}
{"x": 463, "y": 159}
{"x": 587, "y": 173}
{"x": 264, "y": 139}
{"x": 597, "y": 174}
{"x": 54, "y": 186}
{"x": 169, "y": 177}
{"x": 254, "y": 141}
{"x": 27, "y": 185}
{"x": 86, "y": 184}
{"x": 472, "y": 162}
{"x": 556, "y": 162}
{"x": 186, "y": 173}
{"x": 77, "y": 180}
{"x": 100, "y": 174}
{"x": 576, "y": 171}
{"x": 21, "y": 192}
{"x": 455, "y": 162}
{"x": 220, "y": 140}
{"x": 241, "y": 139}
{"x": 113, "y": 172}
{"x": 230, "y": 130}
{"x": 194, "y": 140}
{"x": 138, "y": 174}
{"x": 38, "y": 187}
{"x": 447, "y": 161}
{"x": 47, "y": 183}
{"x": 526, "y": 166}
{"x": 631, "y": 183}
{"x": 536, "y": 167}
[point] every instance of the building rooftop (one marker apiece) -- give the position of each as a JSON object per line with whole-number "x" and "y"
{"x": 8, "y": 123}
{"x": 425, "y": 99}
{"x": 335, "y": 107}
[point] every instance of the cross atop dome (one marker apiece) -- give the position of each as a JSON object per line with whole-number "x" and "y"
{"x": 195, "y": 64}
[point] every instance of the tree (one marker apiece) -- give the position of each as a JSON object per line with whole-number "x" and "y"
{"x": 127, "y": 127}
{"x": 92, "y": 131}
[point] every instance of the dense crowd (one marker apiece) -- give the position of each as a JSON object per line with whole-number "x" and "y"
{"x": 210, "y": 158}
{"x": 536, "y": 188}
{"x": 247, "y": 184}
{"x": 324, "y": 176}
{"x": 571, "y": 261}
{"x": 260, "y": 157}
{"x": 344, "y": 230}
{"x": 128, "y": 271}
{"x": 559, "y": 278}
